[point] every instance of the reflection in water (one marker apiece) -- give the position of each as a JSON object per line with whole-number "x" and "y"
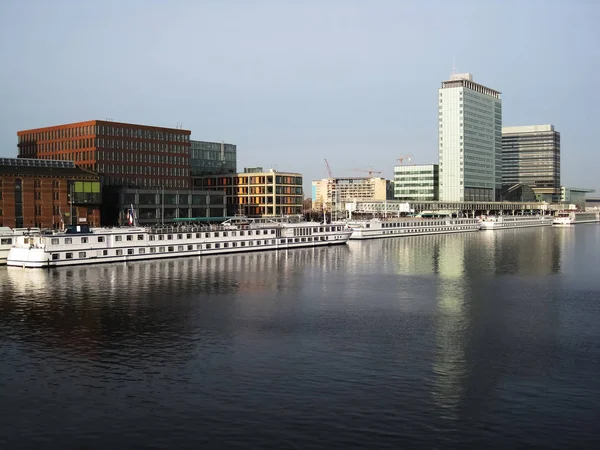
{"x": 449, "y": 363}
{"x": 469, "y": 335}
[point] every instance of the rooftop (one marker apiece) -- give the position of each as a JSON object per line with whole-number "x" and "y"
{"x": 527, "y": 129}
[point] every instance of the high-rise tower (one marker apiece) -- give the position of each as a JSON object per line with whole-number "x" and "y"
{"x": 470, "y": 140}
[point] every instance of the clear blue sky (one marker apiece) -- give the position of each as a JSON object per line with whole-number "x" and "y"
{"x": 294, "y": 82}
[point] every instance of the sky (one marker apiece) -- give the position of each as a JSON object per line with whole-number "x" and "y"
{"x": 293, "y": 83}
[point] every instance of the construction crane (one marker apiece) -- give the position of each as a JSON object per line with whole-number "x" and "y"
{"x": 328, "y": 169}
{"x": 369, "y": 171}
{"x": 403, "y": 157}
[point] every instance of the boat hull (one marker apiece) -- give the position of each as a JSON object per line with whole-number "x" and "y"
{"x": 365, "y": 234}
{"x": 40, "y": 258}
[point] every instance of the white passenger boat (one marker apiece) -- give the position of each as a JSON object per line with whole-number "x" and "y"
{"x": 82, "y": 245}
{"x": 575, "y": 217}
{"x": 8, "y": 238}
{"x": 505, "y": 221}
{"x": 387, "y": 228}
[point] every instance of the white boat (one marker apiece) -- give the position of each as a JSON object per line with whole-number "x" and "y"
{"x": 82, "y": 245}
{"x": 387, "y": 228}
{"x": 575, "y": 217}
{"x": 505, "y": 221}
{"x": 8, "y": 239}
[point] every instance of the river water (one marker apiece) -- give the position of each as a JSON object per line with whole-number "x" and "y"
{"x": 480, "y": 340}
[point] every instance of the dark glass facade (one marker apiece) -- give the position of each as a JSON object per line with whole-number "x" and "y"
{"x": 531, "y": 156}
{"x": 212, "y": 158}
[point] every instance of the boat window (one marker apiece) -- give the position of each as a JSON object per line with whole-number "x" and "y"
{"x": 119, "y": 252}
{"x": 104, "y": 252}
{"x": 217, "y": 245}
{"x": 161, "y": 249}
{"x": 100, "y": 238}
{"x": 82, "y": 254}
{"x": 7, "y": 241}
{"x": 180, "y": 248}
{"x": 68, "y": 240}
{"x": 118, "y": 238}
{"x": 69, "y": 255}
{"x": 84, "y": 240}
{"x": 129, "y": 237}
{"x": 142, "y": 250}
{"x": 224, "y": 233}
{"x": 180, "y": 236}
{"x": 130, "y": 251}
{"x": 249, "y": 232}
{"x": 233, "y": 233}
{"x": 190, "y": 247}
{"x": 140, "y": 237}
{"x": 243, "y": 244}
{"x": 171, "y": 249}
{"x": 206, "y": 235}
{"x": 153, "y": 250}
{"x": 188, "y": 236}
{"x": 198, "y": 247}
{"x": 54, "y": 241}
{"x": 242, "y": 233}
{"x": 225, "y": 245}
{"x": 152, "y": 237}
{"x": 282, "y": 241}
{"x": 208, "y": 246}
{"x": 55, "y": 256}
{"x": 169, "y": 237}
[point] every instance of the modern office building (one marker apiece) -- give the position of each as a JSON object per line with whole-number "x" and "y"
{"x": 161, "y": 206}
{"x": 212, "y": 158}
{"x": 574, "y": 196}
{"x": 123, "y": 154}
{"x": 416, "y": 182}
{"x": 470, "y": 140}
{"x": 332, "y": 193}
{"x": 47, "y": 194}
{"x": 257, "y": 192}
{"x": 531, "y": 156}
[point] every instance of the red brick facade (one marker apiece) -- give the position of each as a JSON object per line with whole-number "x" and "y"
{"x": 45, "y": 199}
{"x": 124, "y": 154}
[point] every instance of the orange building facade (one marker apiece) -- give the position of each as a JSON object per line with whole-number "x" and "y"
{"x": 47, "y": 194}
{"x": 256, "y": 192}
{"x": 123, "y": 154}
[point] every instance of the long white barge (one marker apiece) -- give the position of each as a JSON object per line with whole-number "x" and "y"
{"x": 396, "y": 227}
{"x": 575, "y": 217}
{"x": 506, "y": 222}
{"x": 81, "y": 245}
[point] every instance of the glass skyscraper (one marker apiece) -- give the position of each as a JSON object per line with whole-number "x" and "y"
{"x": 469, "y": 140}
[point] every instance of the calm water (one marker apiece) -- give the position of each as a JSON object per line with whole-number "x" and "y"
{"x": 482, "y": 340}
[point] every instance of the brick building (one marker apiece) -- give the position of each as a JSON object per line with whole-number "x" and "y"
{"x": 123, "y": 154}
{"x": 47, "y": 194}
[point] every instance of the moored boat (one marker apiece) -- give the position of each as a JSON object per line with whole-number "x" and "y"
{"x": 504, "y": 222}
{"x": 576, "y": 217}
{"x": 8, "y": 238}
{"x": 410, "y": 226}
{"x": 82, "y": 245}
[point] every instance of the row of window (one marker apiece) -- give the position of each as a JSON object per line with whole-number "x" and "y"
{"x": 183, "y": 248}
{"x": 428, "y": 230}
{"x": 212, "y": 234}
{"x": 129, "y": 169}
